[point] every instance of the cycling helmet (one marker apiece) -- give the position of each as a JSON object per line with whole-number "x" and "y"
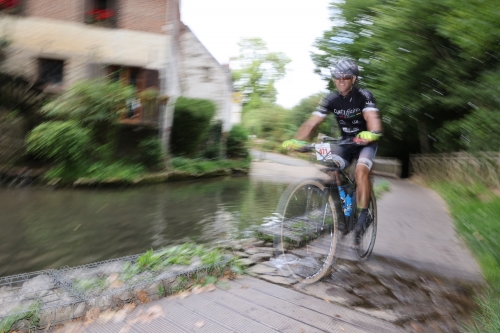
{"x": 344, "y": 66}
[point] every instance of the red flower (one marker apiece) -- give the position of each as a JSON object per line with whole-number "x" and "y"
{"x": 100, "y": 14}
{"x": 9, "y": 4}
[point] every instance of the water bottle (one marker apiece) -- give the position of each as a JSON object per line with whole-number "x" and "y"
{"x": 346, "y": 201}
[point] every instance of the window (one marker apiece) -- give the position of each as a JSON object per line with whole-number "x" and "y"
{"x": 100, "y": 12}
{"x": 10, "y": 6}
{"x": 51, "y": 71}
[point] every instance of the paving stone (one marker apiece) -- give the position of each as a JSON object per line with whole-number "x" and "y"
{"x": 254, "y": 250}
{"x": 278, "y": 279}
{"x": 411, "y": 296}
{"x": 241, "y": 254}
{"x": 414, "y": 311}
{"x": 328, "y": 292}
{"x": 246, "y": 262}
{"x": 258, "y": 257}
{"x": 368, "y": 290}
{"x": 304, "y": 253}
{"x": 261, "y": 269}
{"x": 381, "y": 301}
{"x": 376, "y": 268}
{"x": 388, "y": 315}
{"x": 352, "y": 280}
{"x": 346, "y": 265}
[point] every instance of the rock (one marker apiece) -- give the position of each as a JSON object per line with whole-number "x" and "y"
{"x": 38, "y": 286}
{"x": 261, "y": 269}
{"x": 348, "y": 278}
{"x": 79, "y": 309}
{"x": 411, "y": 296}
{"x": 93, "y": 313}
{"x": 246, "y": 262}
{"x": 414, "y": 311}
{"x": 369, "y": 290}
{"x": 381, "y": 301}
{"x": 21, "y": 326}
{"x": 102, "y": 302}
{"x": 279, "y": 280}
{"x": 241, "y": 254}
{"x": 255, "y": 250}
{"x": 376, "y": 268}
{"x": 387, "y": 315}
{"x": 258, "y": 257}
{"x": 328, "y": 292}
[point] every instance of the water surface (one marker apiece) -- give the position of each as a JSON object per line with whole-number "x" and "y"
{"x": 43, "y": 229}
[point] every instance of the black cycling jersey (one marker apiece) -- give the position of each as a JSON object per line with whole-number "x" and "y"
{"x": 348, "y": 109}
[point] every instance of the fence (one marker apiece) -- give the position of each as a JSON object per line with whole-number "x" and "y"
{"x": 385, "y": 166}
{"x": 483, "y": 167}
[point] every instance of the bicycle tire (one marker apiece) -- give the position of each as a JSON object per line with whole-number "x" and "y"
{"x": 309, "y": 227}
{"x": 365, "y": 248}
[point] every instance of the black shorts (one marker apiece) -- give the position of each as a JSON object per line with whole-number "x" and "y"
{"x": 364, "y": 154}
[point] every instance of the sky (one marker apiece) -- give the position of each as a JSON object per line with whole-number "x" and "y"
{"x": 287, "y": 26}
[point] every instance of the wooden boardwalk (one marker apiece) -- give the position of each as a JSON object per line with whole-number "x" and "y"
{"x": 244, "y": 305}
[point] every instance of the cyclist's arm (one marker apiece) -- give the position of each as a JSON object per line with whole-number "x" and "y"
{"x": 308, "y": 127}
{"x": 373, "y": 122}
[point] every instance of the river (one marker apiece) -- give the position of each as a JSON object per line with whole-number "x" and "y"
{"x": 43, "y": 229}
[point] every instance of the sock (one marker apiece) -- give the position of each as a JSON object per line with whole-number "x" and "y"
{"x": 362, "y": 214}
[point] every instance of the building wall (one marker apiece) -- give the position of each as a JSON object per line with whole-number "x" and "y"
{"x": 80, "y": 46}
{"x": 202, "y": 76}
{"x": 140, "y": 15}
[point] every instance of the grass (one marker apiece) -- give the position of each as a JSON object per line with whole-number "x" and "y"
{"x": 32, "y": 315}
{"x": 475, "y": 210}
{"x": 197, "y": 166}
{"x": 381, "y": 187}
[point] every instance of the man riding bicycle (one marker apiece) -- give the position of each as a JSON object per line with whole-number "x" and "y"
{"x": 358, "y": 118}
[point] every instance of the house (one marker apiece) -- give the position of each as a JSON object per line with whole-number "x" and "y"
{"x": 135, "y": 41}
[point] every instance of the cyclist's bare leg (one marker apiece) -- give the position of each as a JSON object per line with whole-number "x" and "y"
{"x": 363, "y": 186}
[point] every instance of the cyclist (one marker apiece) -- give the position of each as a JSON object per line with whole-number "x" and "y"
{"x": 358, "y": 118}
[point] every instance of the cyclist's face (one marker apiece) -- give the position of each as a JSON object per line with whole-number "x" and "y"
{"x": 344, "y": 83}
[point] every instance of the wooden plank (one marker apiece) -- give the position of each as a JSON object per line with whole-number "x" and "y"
{"x": 223, "y": 312}
{"x": 309, "y": 303}
{"x": 259, "y": 314}
{"x": 300, "y": 311}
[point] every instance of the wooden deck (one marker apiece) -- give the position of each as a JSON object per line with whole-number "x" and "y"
{"x": 245, "y": 305}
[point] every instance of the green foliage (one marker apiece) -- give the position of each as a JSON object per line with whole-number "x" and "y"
{"x": 381, "y": 187}
{"x": 212, "y": 147}
{"x": 259, "y": 69}
{"x": 201, "y": 166}
{"x": 191, "y": 123}
{"x": 472, "y": 208}
{"x": 152, "y": 153}
{"x": 91, "y": 102}
{"x": 32, "y": 315}
{"x": 237, "y": 142}
{"x": 302, "y": 111}
{"x": 438, "y": 57}
{"x": 61, "y": 141}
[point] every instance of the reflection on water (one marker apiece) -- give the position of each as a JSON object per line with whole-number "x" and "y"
{"x": 48, "y": 229}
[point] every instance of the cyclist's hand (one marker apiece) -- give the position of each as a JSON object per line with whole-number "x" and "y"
{"x": 366, "y": 137}
{"x": 293, "y": 144}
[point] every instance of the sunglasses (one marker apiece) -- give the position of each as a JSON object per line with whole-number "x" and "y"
{"x": 343, "y": 77}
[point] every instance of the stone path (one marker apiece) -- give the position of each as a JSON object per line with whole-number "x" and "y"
{"x": 421, "y": 278}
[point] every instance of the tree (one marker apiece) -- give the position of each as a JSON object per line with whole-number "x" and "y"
{"x": 426, "y": 63}
{"x": 257, "y": 72}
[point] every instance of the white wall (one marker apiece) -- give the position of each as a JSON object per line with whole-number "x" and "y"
{"x": 201, "y": 76}
{"x": 79, "y": 45}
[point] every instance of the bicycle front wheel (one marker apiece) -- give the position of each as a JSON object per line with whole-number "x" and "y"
{"x": 365, "y": 248}
{"x": 309, "y": 230}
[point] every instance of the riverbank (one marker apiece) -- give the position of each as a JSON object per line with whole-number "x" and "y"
{"x": 20, "y": 176}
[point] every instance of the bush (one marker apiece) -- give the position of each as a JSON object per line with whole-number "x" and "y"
{"x": 152, "y": 153}
{"x": 61, "y": 141}
{"x": 212, "y": 148}
{"x": 237, "y": 142}
{"x": 191, "y": 123}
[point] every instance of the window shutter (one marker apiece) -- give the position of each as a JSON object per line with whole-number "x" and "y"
{"x": 152, "y": 78}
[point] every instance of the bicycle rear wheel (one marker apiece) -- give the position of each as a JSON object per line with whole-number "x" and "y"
{"x": 309, "y": 230}
{"x": 365, "y": 248}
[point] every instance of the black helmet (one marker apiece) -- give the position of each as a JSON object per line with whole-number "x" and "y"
{"x": 344, "y": 66}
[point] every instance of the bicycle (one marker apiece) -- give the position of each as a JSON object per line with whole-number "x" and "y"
{"x": 314, "y": 217}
